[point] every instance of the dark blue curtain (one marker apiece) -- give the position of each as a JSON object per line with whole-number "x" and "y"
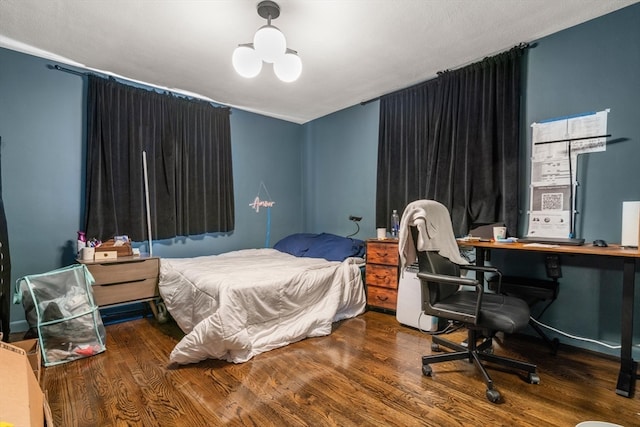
{"x": 5, "y": 269}
{"x": 454, "y": 139}
{"x": 188, "y": 149}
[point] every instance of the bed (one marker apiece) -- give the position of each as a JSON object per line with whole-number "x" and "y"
{"x": 236, "y": 305}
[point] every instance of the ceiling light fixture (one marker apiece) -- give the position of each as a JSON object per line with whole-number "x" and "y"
{"x": 270, "y": 46}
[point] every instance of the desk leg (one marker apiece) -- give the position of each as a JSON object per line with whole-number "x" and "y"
{"x": 627, "y": 375}
{"x": 480, "y": 256}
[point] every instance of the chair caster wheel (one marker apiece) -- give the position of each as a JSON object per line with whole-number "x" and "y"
{"x": 435, "y": 347}
{"x": 426, "y": 370}
{"x": 534, "y": 378}
{"x": 493, "y": 395}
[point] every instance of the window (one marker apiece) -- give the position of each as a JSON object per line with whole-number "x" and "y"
{"x": 188, "y": 153}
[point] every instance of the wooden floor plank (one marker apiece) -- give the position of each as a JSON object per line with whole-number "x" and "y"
{"x": 367, "y": 372}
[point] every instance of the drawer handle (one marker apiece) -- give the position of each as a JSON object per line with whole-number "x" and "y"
{"x": 382, "y": 298}
{"x": 122, "y": 283}
{"x": 108, "y": 264}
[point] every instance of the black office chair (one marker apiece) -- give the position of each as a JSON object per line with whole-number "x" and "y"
{"x": 482, "y": 313}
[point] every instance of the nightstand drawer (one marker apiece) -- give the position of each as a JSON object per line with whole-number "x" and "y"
{"x": 382, "y": 275}
{"x": 382, "y": 297}
{"x": 118, "y": 272}
{"x": 124, "y": 292}
{"x": 125, "y": 280}
{"x": 383, "y": 253}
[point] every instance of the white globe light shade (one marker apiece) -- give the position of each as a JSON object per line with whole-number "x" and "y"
{"x": 288, "y": 67}
{"x": 270, "y": 43}
{"x": 246, "y": 62}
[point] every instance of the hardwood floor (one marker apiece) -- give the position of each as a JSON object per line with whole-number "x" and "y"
{"x": 367, "y": 372}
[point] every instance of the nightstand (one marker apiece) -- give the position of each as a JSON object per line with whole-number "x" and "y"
{"x": 381, "y": 273}
{"x": 124, "y": 280}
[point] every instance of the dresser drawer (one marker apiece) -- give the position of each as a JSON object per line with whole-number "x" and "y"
{"x": 383, "y": 253}
{"x": 382, "y": 297}
{"x": 117, "y": 293}
{"x": 381, "y": 275}
{"x": 119, "y": 272}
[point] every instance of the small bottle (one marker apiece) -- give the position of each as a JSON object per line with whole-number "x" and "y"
{"x": 395, "y": 223}
{"x": 82, "y": 241}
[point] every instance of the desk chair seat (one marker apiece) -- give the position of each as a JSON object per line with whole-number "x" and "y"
{"x": 498, "y": 312}
{"x": 482, "y": 313}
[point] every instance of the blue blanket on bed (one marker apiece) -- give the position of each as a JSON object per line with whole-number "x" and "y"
{"x": 323, "y": 245}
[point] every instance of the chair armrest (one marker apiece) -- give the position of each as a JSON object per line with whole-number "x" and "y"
{"x": 481, "y": 268}
{"x": 457, "y": 281}
{"x": 450, "y": 280}
{"x": 484, "y": 269}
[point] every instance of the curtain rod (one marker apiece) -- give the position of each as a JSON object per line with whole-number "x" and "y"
{"x": 167, "y": 90}
{"x": 523, "y": 45}
{"x": 371, "y": 100}
{"x": 66, "y": 70}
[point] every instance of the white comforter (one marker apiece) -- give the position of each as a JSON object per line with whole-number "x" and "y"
{"x": 238, "y": 304}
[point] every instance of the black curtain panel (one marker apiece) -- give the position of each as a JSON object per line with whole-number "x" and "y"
{"x": 188, "y": 154}
{"x": 454, "y": 139}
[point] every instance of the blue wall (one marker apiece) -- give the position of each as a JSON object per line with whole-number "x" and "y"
{"x": 42, "y": 155}
{"x": 340, "y": 157}
{"x": 322, "y": 172}
{"x": 593, "y": 67}
{"x": 590, "y": 67}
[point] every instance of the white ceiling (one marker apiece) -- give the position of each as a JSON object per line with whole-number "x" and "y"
{"x": 351, "y": 50}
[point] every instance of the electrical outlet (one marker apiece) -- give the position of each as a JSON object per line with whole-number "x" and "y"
{"x": 354, "y": 218}
{"x": 552, "y": 263}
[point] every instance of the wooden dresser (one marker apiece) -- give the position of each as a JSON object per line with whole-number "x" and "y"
{"x": 381, "y": 273}
{"x": 124, "y": 280}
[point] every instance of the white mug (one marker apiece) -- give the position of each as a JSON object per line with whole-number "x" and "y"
{"x": 87, "y": 253}
{"x": 381, "y": 233}
{"x": 499, "y": 233}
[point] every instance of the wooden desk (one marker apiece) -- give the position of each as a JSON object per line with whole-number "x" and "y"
{"x": 627, "y": 374}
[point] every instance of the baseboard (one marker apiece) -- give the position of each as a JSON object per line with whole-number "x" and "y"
{"x": 19, "y": 326}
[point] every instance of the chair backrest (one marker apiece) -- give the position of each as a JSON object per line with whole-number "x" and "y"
{"x": 433, "y": 262}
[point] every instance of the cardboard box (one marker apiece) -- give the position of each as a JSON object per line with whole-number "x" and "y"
{"x": 22, "y": 402}
{"x": 32, "y": 349}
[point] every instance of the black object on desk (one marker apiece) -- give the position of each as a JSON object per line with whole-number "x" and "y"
{"x": 552, "y": 240}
